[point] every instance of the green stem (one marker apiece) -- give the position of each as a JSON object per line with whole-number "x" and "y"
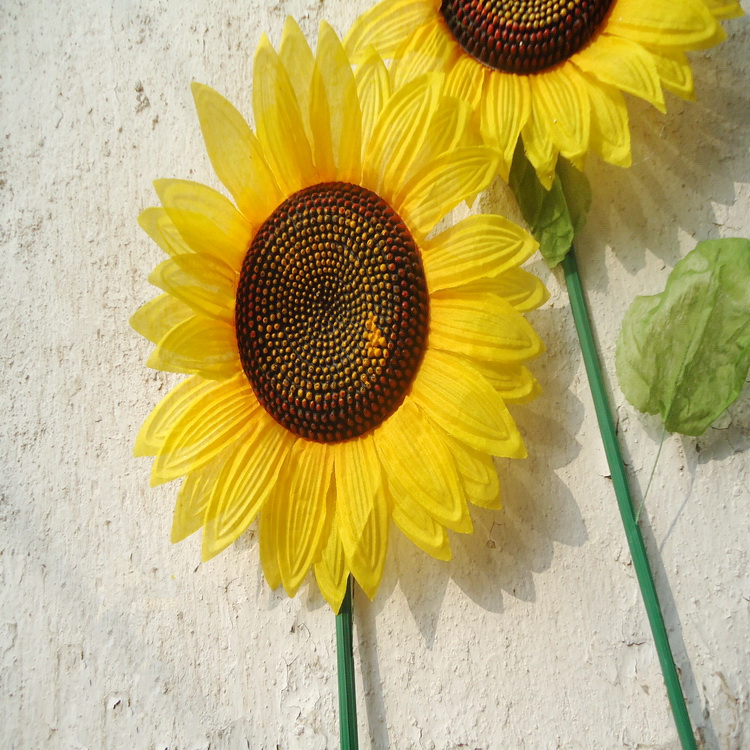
{"x": 622, "y": 491}
{"x": 347, "y": 691}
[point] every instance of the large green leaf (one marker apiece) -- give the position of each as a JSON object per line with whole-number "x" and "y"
{"x": 685, "y": 353}
{"x": 555, "y": 216}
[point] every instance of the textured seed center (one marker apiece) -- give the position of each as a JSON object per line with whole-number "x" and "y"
{"x": 523, "y": 36}
{"x": 332, "y": 312}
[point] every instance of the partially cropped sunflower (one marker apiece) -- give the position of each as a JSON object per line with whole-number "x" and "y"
{"x": 549, "y": 71}
{"x": 348, "y": 365}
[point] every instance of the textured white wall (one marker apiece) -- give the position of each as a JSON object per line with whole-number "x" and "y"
{"x": 533, "y": 637}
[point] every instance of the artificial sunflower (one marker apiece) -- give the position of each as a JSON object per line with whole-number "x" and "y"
{"x": 348, "y": 365}
{"x": 549, "y": 71}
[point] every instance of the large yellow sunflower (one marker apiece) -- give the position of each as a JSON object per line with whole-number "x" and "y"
{"x": 549, "y": 71}
{"x": 348, "y": 365}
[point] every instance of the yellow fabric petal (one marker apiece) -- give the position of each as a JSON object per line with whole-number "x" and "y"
{"x": 465, "y": 81}
{"x": 157, "y": 224}
{"x": 687, "y": 24}
{"x": 520, "y": 289}
{"x": 503, "y": 114}
{"x": 154, "y": 319}
{"x": 477, "y": 474}
{"x": 373, "y": 90}
{"x": 166, "y": 413}
{"x": 444, "y": 183}
{"x": 236, "y": 155}
{"x": 269, "y": 557}
{"x": 465, "y": 405}
{"x": 245, "y": 483}
{"x": 202, "y": 285}
{"x": 279, "y": 123}
{"x": 420, "y": 528}
{"x": 624, "y": 64}
{"x": 429, "y": 49}
{"x": 331, "y": 572}
{"x": 478, "y": 246}
{"x": 481, "y": 325}
{"x": 540, "y": 150}
{"x": 198, "y": 346}
{"x": 361, "y": 510}
{"x": 300, "y": 516}
{"x": 334, "y": 112}
{"x": 207, "y": 221}
{"x": 513, "y": 382}
{"x": 400, "y": 132}
{"x": 385, "y": 26}
{"x": 674, "y": 71}
{"x": 214, "y": 418}
{"x": 610, "y": 129}
{"x": 298, "y": 61}
{"x": 420, "y": 468}
{"x": 725, "y": 8}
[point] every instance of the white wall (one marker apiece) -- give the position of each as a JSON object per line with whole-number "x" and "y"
{"x": 533, "y": 637}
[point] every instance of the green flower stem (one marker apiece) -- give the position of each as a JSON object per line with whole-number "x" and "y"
{"x": 622, "y": 491}
{"x": 347, "y": 691}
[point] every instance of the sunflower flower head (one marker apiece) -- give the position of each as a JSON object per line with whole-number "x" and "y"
{"x": 349, "y": 366}
{"x": 550, "y": 72}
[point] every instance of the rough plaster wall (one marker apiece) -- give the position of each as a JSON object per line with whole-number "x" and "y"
{"x": 533, "y": 637}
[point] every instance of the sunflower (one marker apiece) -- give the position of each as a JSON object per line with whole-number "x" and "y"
{"x": 348, "y": 364}
{"x": 547, "y": 71}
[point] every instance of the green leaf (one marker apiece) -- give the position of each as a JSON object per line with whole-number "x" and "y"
{"x": 555, "y": 216}
{"x": 685, "y": 353}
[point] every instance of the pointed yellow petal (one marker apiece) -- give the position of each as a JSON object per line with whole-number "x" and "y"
{"x": 520, "y": 289}
{"x": 334, "y": 112}
{"x": 374, "y": 90}
{"x": 478, "y": 475}
{"x": 504, "y": 112}
{"x": 157, "y": 224}
{"x": 215, "y": 417}
{"x": 300, "y": 516}
{"x": 166, "y": 413}
{"x": 674, "y": 71}
{"x": 623, "y": 64}
{"x": 441, "y": 185}
{"x": 420, "y": 528}
{"x": 198, "y": 346}
{"x": 298, "y": 61}
{"x": 361, "y": 510}
{"x": 204, "y": 285}
{"x": 236, "y": 155}
{"x": 481, "y": 325}
{"x": 465, "y": 405}
{"x": 279, "y": 123}
{"x": 430, "y": 48}
{"x": 400, "y": 132}
{"x": 420, "y": 468}
{"x": 385, "y": 26}
{"x": 540, "y": 150}
{"x": 154, "y": 319}
{"x": 610, "y": 130}
{"x": 513, "y": 382}
{"x": 478, "y": 246}
{"x": 331, "y": 572}
{"x": 465, "y": 81}
{"x": 207, "y": 221}
{"x": 269, "y": 556}
{"x": 725, "y": 8}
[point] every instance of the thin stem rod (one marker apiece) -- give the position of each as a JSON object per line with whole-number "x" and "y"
{"x": 622, "y": 491}
{"x": 347, "y": 691}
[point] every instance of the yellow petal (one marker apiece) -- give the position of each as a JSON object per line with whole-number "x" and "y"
{"x": 157, "y": 224}
{"x": 298, "y": 61}
{"x": 429, "y": 49}
{"x": 207, "y": 221}
{"x": 465, "y": 81}
{"x": 269, "y": 558}
{"x": 478, "y": 246}
{"x": 520, "y": 289}
{"x": 444, "y": 183}
{"x": 623, "y": 64}
{"x": 400, "y": 132}
{"x": 420, "y": 468}
{"x": 513, "y": 382}
{"x": 420, "y": 528}
{"x": 198, "y": 346}
{"x": 236, "y": 155}
{"x": 477, "y": 473}
{"x": 245, "y": 483}
{"x": 465, "y": 405}
{"x": 374, "y": 90}
{"x": 205, "y": 286}
{"x": 166, "y": 413}
{"x": 334, "y": 112}
{"x": 674, "y": 71}
{"x": 504, "y": 112}
{"x": 331, "y": 572}
{"x": 154, "y": 319}
{"x": 214, "y": 418}
{"x": 300, "y": 516}
{"x": 279, "y": 123}
{"x": 481, "y": 325}
{"x": 610, "y": 130}
{"x": 361, "y": 510}
{"x": 725, "y": 8}
{"x": 540, "y": 150}
{"x": 385, "y": 26}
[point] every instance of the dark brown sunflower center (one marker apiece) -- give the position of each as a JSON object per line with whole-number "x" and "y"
{"x": 332, "y": 312}
{"x": 523, "y": 36}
